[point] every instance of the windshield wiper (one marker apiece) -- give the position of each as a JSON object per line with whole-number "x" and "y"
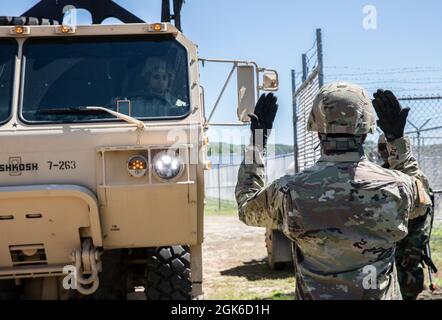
{"x": 93, "y": 110}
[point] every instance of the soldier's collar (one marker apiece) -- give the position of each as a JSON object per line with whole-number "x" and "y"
{"x": 352, "y": 156}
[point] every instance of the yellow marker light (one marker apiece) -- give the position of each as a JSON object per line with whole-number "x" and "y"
{"x": 158, "y": 27}
{"x": 137, "y": 166}
{"x": 20, "y": 30}
{"x": 66, "y": 29}
{"x": 206, "y": 141}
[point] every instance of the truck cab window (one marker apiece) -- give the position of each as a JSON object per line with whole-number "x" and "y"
{"x": 144, "y": 78}
{"x": 8, "y": 51}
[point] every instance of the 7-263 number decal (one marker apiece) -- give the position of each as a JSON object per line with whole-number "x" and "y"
{"x": 62, "y": 165}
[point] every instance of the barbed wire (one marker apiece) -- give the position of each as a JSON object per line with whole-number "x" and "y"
{"x": 359, "y": 77}
{"x": 415, "y": 80}
{"x": 312, "y": 47}
{"x": 405, "y": 82}
{"x": 413, "y": 91}
{"x": 398, "y": 69}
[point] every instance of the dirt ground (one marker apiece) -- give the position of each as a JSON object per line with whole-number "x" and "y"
{"x": 235, "y": 267}
{"x": 234, "y": 261}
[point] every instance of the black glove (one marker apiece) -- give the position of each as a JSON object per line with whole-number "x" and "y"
{"x": 392, "y": 117}
{"x": 262, "y": 119}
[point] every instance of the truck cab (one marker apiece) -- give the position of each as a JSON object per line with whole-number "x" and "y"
{"x": 101, "y": 132}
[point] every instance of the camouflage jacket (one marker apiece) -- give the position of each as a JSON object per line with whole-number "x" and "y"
{"x": 158, "y": 106}
{"x": 345, "y": 216}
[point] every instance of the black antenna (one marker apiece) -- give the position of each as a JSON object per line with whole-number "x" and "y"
{"x": 165, "y": 11}
{"x": 166, "y": 14}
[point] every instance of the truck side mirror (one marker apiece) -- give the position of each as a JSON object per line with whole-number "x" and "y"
{"x": 246, "y": 92}
{"x": 270, "y": 81}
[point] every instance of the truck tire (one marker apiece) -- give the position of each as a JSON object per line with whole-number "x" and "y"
{"x": 26, "y": 21}
{"x": 168, "y": 274}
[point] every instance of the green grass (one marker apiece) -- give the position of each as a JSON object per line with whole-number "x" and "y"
{"x": 272, "y": 288}
{"x": 276, "y": 295}
{"x": 224, "y": 208}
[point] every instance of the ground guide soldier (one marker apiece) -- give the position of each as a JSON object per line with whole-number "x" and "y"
{"x": 344, "y": 214}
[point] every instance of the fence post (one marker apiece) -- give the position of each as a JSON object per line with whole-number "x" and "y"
{"x": 418, "y": 134}
{"x": 219, "y": 187}
{"x": 295, "y": 121}
{"x": 304, "y": 67}
{"x": 219, "y": 174}
{"x": 320, "y": 57}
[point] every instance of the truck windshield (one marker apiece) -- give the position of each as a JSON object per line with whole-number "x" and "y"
{"x": 8, "y": 49}
{"x": 143, "y": 78}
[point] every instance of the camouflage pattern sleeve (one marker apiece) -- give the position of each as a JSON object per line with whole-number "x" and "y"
{"x": 258, "y": 205}
{"x": 402, "y": 159}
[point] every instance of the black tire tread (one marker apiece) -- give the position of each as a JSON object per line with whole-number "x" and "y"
{"x": 168, "y": 274}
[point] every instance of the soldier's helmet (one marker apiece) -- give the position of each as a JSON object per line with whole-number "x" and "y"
{"x": 342, "y": 108}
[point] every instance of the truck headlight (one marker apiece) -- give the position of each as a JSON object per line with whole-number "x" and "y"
{"x": 167, "y": 165}
{"x": 137, "y": 166}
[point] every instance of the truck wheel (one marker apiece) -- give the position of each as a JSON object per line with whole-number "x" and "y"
{"x": 168, "y": 274}
{"x": 8, "y": 290}
{"x": 26, "y": 21}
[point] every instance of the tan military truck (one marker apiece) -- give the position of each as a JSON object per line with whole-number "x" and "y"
{"x": 102, "y": 155}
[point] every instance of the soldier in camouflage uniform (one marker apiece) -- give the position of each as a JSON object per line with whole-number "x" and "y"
{"x": 411, "y": 251}
{"x": 344, "y": 214}
{"x": 156, "y": 100}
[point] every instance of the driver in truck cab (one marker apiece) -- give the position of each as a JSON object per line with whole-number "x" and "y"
{"x": 155, "y": 98}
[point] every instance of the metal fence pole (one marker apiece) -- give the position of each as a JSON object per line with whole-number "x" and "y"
{"x": 304, "y": 68}
{"x": 418, "y": 136}
{"x": 219, "y": 187}
{"x": 295, "y": 122}
{"x": 320, "y": 57}
{"x": 219, "y": 174}
{"x": 419, "y": 146}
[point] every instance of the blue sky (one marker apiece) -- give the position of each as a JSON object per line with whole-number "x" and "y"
{"x": 403, "y": 53}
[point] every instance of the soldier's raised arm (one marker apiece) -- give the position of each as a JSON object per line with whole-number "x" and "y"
{"x": 392, "y": 121}
{"x": 401, "y": 158}
{"x": 258, "y": 205}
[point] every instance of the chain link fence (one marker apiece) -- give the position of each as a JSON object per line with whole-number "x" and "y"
{"x": 425, "y": 131}
{"x": 306, "y": 143}
{"x": 221, "y": 180}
